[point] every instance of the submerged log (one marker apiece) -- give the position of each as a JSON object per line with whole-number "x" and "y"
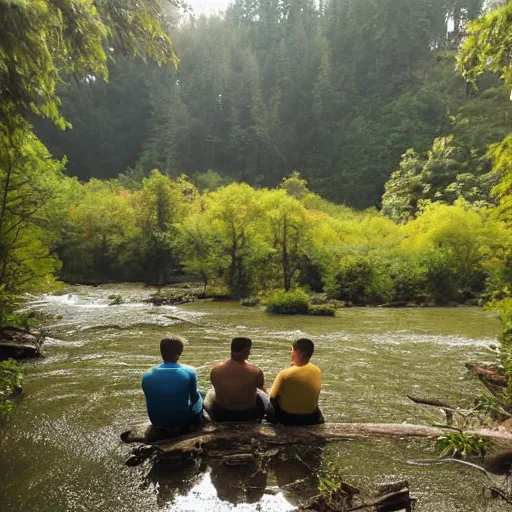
{"x": 216, "y": 440}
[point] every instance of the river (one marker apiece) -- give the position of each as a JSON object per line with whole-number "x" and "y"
{"x": 60, "y": 451}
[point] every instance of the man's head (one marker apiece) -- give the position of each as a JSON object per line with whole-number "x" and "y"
{"x": 171, "y": 348}
{"x": 240, "y": 349}
{"x": 302, "y": 350}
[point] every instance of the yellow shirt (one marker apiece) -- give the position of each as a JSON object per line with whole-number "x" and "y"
{"x": 298, "y": 388}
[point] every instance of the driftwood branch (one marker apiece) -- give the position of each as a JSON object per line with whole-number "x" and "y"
{"x": 491, "y": 379}
{"x": 214, "y": 439}
{"x": 438, "y": 462}
{"x": 447, "y": 408}
{"x": 498, "y": 464}
{"x": 393, "y": 497}
{"x": 400, "y": 499}
{"x": 499, "y": 493}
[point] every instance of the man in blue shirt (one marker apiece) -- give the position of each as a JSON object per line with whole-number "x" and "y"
{"x": 172, "y": 398}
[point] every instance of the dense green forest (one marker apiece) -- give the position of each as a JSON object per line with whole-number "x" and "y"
{"x": 231, "y": 159}
{"x": 338, "y": 90}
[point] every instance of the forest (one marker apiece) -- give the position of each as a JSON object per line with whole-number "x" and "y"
{"x": 352, "y": 147}
{"x": 338, "y": 91}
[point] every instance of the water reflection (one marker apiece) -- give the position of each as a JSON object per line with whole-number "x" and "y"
{"x": 245, "y": 483}
{"x": 174, "y": 478}
{"x": 287, "y": 478}
{"x": 297, "y": 473}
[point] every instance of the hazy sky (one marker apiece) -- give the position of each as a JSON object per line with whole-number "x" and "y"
{"x": 209, "y": 5}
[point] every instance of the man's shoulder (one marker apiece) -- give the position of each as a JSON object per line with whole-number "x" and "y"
{"x": 310, "y": 367}
{"x": 150, "y": 372}
{"x": 187, "y": 368}
{"x": 254, "y": 369}
{"x": 285, "y": 372}
{"x": 314, "y": 370}
{"x": 220, "y": 365}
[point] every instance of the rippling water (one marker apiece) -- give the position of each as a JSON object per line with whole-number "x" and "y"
{"x": 61, "y": 449}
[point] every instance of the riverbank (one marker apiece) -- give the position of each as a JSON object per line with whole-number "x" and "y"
{"x": 295, "y": 302}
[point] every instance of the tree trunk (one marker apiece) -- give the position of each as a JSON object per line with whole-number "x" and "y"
{"x": 286, "y": 262}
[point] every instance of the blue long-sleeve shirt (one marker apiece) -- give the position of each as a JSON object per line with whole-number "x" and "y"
{"x": 171, "y": 393}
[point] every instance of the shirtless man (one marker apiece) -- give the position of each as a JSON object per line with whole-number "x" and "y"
{"x": 238, "y": 392}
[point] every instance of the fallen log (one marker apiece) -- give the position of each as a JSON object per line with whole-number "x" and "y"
{"x": 18, "y": 351}
{"x": 18, "y": 343}
{"x": 490, "y": 378}
{"x": 216, "y": 440}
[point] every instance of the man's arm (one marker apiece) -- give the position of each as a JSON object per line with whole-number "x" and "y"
{"x": 276, "y": 387}
{"x": 196, "y": 399}
{"x": 145, "y": 381}
{"x": 261, "y": 381}
{"x": 213, "y": 374}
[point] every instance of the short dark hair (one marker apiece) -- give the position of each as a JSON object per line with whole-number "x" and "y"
{"x": 171, "y": 348}
{"x": 304, "y": 347}
{"x": 240, "y": 344}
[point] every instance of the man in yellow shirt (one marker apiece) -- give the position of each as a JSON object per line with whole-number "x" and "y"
{"x": 296, "y": 390}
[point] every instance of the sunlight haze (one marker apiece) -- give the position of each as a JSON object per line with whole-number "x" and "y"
{"x": 209, "y": 5}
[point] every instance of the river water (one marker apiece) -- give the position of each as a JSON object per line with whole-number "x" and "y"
{"x": 61, "y": 451}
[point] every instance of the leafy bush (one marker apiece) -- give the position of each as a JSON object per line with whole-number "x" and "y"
{"x": 462, "y": 444}
{"x": 218, "y": 293}
{"x": 8, "y": 303}
{"x": 492, "y": 406}
{"x": 116, "y": 300}
{"x": 322, "y": 310}
{"x": 10, "y": 379}
{"x": 504, "y": 308}
{"x": 442, "y": 278}
{"x": 295, "y": 302}
{"x": 359, "y": 280}
{"x": 408, "y": 280}
{"x": 318, "y": 298}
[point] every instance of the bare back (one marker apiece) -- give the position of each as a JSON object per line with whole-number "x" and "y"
{"x": 235, "y": 384}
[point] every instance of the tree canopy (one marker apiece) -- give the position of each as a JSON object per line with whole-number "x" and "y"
{"x": 45, "y": 41}
{"x": 43, "y": 45}
{"x": 338, "y": 91}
